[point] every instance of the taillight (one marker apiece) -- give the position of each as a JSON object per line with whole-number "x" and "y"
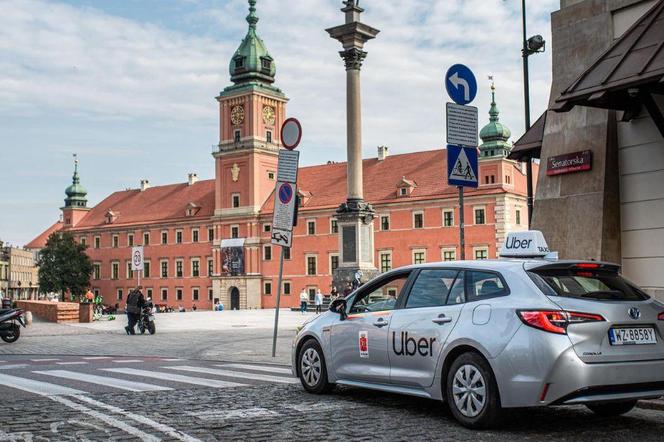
{"x": 661, "y": 316}
{"x": 555, "y": 321}
{"x": 587, "y": 265}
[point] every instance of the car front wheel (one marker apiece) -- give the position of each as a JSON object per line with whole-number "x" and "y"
{"x": 312, "y": 369}
{"x": 472, "y": 393}
{"x": 612, "y": 408}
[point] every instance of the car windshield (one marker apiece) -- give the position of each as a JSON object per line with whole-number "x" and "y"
{"x": 584, "y": 284}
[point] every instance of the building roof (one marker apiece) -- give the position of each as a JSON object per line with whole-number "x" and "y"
{"x": 530, "y": 143}
{"x": 40, "y": 241}
{"x": 327, "y": 182}
{"x": 635, "y": 60}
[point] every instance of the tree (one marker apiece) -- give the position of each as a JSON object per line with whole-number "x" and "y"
{"x": 64, "y": 266}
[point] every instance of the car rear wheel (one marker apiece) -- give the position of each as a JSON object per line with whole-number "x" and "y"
{"x": 612, "y": 408}
{"x": 471, "y": 392}
{"x": 312, "y": 369}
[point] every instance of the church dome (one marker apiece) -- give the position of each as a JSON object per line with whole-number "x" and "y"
{"x": 251, "y": 61}
{"x": 495, "y": 134}
{"x": 76, "y": 193}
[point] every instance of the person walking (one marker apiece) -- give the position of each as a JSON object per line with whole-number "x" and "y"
{"x": 318, "y": 300}
{"x": 135, "y": 302}
{"x": 303, "y": 300}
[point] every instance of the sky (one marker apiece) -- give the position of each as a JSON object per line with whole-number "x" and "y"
{"x": 129, "y": 85}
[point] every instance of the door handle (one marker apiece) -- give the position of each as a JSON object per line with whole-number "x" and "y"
{"x": 442, "y": 319}
{"x": 380, "y": 322}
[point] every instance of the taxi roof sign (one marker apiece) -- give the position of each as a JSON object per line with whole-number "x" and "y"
{"x": 525, "y": 244}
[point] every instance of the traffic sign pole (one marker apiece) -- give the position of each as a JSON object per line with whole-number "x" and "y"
{"x": 462, "y": 238}
{"x": 276, "y": 313}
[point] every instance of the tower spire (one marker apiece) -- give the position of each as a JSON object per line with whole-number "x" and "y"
{"x": 495, "y": 134}
{"x": 252, "y": 18}
{"x": 76, "y": 193}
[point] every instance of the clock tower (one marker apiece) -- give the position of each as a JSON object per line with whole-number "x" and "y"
{"x": 251, "y": 112}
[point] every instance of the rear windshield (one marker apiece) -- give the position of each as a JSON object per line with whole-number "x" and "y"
{"x": 584, "y": 284}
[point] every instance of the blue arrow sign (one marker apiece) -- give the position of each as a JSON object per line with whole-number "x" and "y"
{"x": 460, "y": 84}
{"x": 462, "y": 166}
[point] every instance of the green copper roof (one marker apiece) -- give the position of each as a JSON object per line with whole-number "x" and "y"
{"x": 251, "y": 61}
{"x": 76, "y": 193}
{"x": 495, "y": 134}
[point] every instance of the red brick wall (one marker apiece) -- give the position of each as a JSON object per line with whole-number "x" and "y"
{"x": 52, "y": 311}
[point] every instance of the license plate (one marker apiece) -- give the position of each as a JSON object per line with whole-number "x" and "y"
{"x": 632, "y": 336}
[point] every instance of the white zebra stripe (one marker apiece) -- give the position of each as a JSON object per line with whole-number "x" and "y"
{"x": 175, "y": 377}
{"x": 236, "y": 374}
{"x": 120, "y": 384}
{"x": 264, "y": 368}
{"x": 36, "y": 387}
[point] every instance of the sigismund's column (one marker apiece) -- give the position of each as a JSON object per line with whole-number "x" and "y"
{"x": 355, "y": 216}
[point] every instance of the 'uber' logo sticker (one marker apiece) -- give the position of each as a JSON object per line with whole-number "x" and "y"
{"x": 364, "y": 344}
{"x": 409, "y": 346}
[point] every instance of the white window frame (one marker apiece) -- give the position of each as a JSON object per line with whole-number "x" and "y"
{"x": 119, "y": 294}
{"x": 149, "y": 266}
{"x": 115, "y": 241}
{"x": 267, "y": 227}
{"x": 448, "y": 211}
{"x": 193, "y": 260}
{"x": 130, "y": 240}
{"x": 175, "y": 270}
{"x": 162, "y": 237}
{"x": 161, "y": 262}
{"x": 181, "y": 232}
{"x": 444, "y": 250}
{"x": 209, "y": 268}
{"x": 129, "y": 273}
{"x": 146, "y": 235}
{"x": 418, "y": 212}
{"x": 96, "y": 274}
{"x": 381, "y": 253}
{"x": 117, "y": 274}
{"x": 198, "y": 234}
{"x": 517, "y": 216}
{"x": 329, "y": 262}
{"x": 290, "y": 287}
{"x": 480, "y": 249}
{"x": 265, "y": 285}
{"x": 181, "y": 290}
{"x": 163, "y": 290}
{"x": 389, "y": 223}
{"x": 311, "y": 220}
{"x": 239, "y": 200}
{"x": 332, "y": 221}
{"x": 196, "y": 289}
{"x": 96, "y": 242}
{"x": 265, "y": 247}
{"x": 271, "y": 175}
{"x": 414, "y": 251}
{"x": 306, "y": 263}
{"x": 475, "y": 209}
{"x": 234, "y": 226}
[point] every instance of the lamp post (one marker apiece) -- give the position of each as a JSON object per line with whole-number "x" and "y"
{"x": 532, "y": 45}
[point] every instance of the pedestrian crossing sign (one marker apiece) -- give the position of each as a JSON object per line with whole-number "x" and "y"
{"x": 462, "y": 166}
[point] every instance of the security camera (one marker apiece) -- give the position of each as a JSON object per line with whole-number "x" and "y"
{"x": 535, "y": 44}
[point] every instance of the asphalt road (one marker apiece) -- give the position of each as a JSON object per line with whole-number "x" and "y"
{"x": 137, "y": 398}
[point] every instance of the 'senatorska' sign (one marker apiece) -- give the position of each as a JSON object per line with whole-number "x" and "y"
{"x": 568, "y": 163}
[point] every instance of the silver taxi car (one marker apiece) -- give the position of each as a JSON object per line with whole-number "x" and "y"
{"x": 488, "y": 335}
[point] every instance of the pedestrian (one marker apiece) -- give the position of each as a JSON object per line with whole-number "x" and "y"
{"x": 348, "y": 289}
{"x": 135, "y": 302}
{"x": 194, "y": 308}
{"x": 89, "y": 296}
{"x": 318, "y": 300}
{"x": 303, "y": 300}
{"x": 334, "y": 294}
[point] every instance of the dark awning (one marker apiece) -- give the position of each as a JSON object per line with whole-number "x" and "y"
{"x": 627, "y": 74}
{"x": 530, "y": 143}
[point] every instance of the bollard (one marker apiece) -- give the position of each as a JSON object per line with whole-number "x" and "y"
{"x": 28, "y": 318}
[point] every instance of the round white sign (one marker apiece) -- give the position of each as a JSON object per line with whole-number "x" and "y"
{"x": 291, "y": 133}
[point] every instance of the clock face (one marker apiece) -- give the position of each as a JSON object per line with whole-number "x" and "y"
{"x": 268, "y": 115}
{"x": 237, "y": 115}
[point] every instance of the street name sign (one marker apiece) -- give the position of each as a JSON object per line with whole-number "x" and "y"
{"x": 461, "y": 124}
{"x": 462, "y": 166}
{"x": 137, "y": 258}
{"x": 460, "y": 84}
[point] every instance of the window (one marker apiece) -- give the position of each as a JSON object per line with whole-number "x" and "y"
{"x": 119, "y": 294}
{"x": 239, "y": 62}
{"x": 96, "y": 271}
{"x": 146, "y": 238}
{"x": 311, "y": 227}
{"x": 448, "y": 218}
{"x": 210, "y": 266}
{"x": 311, "y": 265}
{"x": 287, "y": 288}
{"x": 431, "y": 288}
{"x": 195, "y": 268}
{"x": 164, "y": 269}
{"x": 267, "y": 252}
{"x": 194, "y": 293}
{"x": 83, "y": 241}
{"x": 419, "y": 256}
{"x": 286, "y": 253}
{"x": 385, "y": 261}
{"x": 97, "y": 242}
{"x": 458, "y": 291}
{"x": 210, "y": 293}
{"x": 178, "y": 294}
{"x": 164, "y": 294}
{"x": 385, "y": 222}
{"x": 334, "y": 226}
{"x": 164, "y": 237}
{"x": 236, "y": 136}
{"x": 449, "y": 255}
{"x": 418, "y": 220}
{"x": 518, "y": 216}
{"x": 381, "y": 296}
{"x": 270, "y": 175}
{"x": 268, "y": 136}
{"x": 267, "y": 228}
{"x": 149, "y": 293}
{"x": 267, "y": 288}
{"x": 485, "y": 285}
{"x": 235, "y": 231}
{"x": 130, "y": 239}
{"x": 115, "y": 270}
{"x": 265, "y": 64}
{"x": 403, "y": 191}
{"x": 482, "y": 253}
{"x": 479, "y": 216}
{"x": 194, "y": 235}
{"x": 115, "y": 241}
{"x": 588, "y": 284}
{"x": 178, "y": 269}
{"x": 334, "y": 262}
{"x": 210, "y": 234}
{"x": 178, "y": 236}
{"x": 235, "y": 198}
{"x": 146, "y": 269}
{"x": 130, "y": 272}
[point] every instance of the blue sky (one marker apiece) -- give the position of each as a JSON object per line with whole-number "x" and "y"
{"x": 129, "y": 85}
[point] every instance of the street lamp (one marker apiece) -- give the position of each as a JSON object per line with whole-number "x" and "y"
{"x": 532, "y": 45}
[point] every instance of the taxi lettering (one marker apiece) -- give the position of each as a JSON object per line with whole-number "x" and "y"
{"x": 409, "y": 346}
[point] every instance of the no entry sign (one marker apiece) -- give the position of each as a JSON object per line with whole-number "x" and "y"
{"x": 291, "y": 133}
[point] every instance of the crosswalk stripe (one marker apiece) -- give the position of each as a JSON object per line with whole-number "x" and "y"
{"x": 44, "y": 360}
{"x": 235, "y": 374}
{"x": 101, "y": 380}
{"x": 127, "y": 361}
{"x": 265, "y": 368}
{"x": 175, "y": 377}
{"x": 71, "y": 363}
{"x": 36, "y": 387}
{"x": 94, "y": 358}
{"x": 12, "y": 366}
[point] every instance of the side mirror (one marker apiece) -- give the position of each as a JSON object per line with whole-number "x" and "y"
{"x": 339, "y": 306}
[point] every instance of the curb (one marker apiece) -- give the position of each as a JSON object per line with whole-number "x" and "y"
{"x": 651, "y": 404}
